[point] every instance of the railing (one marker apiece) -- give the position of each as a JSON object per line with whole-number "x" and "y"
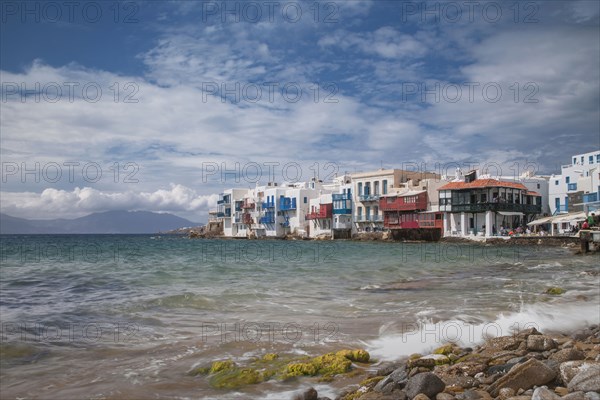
{"x": 400, "y": 205}
{"x": 590, "y": 197}
{"x": 367, "y": 218}
{"x": 268, "y": 204}
{"x": 341, "y": 196}
{"x": 267, "y": 219}
{"x": 324, "y": 211}
{"x": 287, "y": 203}
{"x": 561, "y": 209}
{"x": 369, "y": 197}
{"x": 482, "y": 207}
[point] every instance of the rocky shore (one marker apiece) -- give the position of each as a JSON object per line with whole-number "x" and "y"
{"x": 526, "y": 366}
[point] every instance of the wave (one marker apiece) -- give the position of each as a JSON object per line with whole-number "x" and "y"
{"x": 424, "y": 335}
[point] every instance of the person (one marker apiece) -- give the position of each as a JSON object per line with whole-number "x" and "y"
{"x": 592, "y": 219}
{"x": 585, "y": 225}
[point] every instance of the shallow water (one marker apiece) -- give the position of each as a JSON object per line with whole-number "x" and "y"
{"x": 101, "y": 316}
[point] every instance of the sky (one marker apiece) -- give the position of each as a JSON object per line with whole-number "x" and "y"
{"x": 161, "y": 105}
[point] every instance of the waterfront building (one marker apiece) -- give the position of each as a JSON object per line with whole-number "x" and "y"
{"x": 483, "y": 206}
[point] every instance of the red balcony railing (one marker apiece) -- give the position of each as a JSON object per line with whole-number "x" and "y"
{"x": 395, "y": 220}
{"x": 248, "y": 204}
{"x": 404, "y": 203}
{"x": 324, "y": 211}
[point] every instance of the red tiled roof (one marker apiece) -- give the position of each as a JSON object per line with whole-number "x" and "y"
{"x": 482, "y": 183}
{"x": 533, "y": 194}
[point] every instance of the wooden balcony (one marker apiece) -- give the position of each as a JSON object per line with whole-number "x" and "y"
{"x": 404, "y": 203}
{"x": 324, "y": 211}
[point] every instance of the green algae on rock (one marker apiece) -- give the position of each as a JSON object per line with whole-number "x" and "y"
{"x": 235, "y": 378}
{"x": 555, "y": 291}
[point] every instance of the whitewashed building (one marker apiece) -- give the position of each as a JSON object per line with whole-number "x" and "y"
{"x": 567, "y": 189}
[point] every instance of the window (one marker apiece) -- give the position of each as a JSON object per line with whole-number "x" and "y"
{"x": 556, "y": 182}
{"x": 574, "y": 161}
{"x": 591, "y": 159}
{"x": 538, "y": 185}
{"x": 360, "y": 188}
{"x": 385, "y": 183}
{"x": 566, "y": 203}
{"x": 376, "y": 188}
{"x": 568, "y": 179}
{"x": 367, "y": 188}
{"x": 557, "y": 202}
{"x": 581, "y": 160}
{"x": 305, "y": 200}
{"x": 597, "y": 158}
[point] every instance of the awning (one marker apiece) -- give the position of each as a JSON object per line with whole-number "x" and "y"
{"x": 510, "y": 213}
{"x": 540, "y": 221}
{"x": 575, "y": 217}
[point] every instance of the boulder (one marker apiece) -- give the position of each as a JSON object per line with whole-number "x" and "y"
{"x": 542, "y": 393}
{"x": 426, "y": 383}
{"x": 587, "y": 380}
{"x": 396, "y": 379}
{"x": 569, "y": 369}
{"x": 421, "y": 396}
{"x": 308, "y": 394}
{"x": 444, "y": 396}
{"x": 592, "y": 396}
{"x": 524, "y": 376}
{"x": 574, "y": 396}
{"x": 540, "y": 343}
{"x": 568, "y": 354}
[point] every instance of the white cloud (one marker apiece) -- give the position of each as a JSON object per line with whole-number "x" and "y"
{"x": 53, "y": 203}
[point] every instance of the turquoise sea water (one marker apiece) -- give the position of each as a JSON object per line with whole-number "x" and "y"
{"x": 116, "y": 316}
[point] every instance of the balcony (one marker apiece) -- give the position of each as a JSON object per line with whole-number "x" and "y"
{"x": 407, "y": 203}
{"x": 368, "y": 197}
{"x": 287, "y": 203}
{"x": 342, "y": 203}
{"x": 268, "y": 219}
{"x": 247, "y": 219}
{"x": 341, "y": 196}
{"x": 561, "y": 209}
{"x": 414, "y": 221}
{"x": 268, "y": 204}
{"x": 496, "y": 207}
{"x": 367, "y": 218}
{"x": 324, "y": 211}
{"x": 590, "y": 197}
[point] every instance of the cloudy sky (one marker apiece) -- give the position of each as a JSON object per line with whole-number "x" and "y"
{"x": 160, "y": 105}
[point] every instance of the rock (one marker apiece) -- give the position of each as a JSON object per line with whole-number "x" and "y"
{"x": 422, "y": 362}
{"x": 465, "y": 382}
{"x": 505, "y": 393}
{"x": 444, "y": 396}
{"x": 568, "y": 344}
{"x": 421, "y": 396}
{"x": 504, "y": 343}
{"x": 470, "y": 368}
{"x": 387, "y": 368}
{"x": 426, "y": 383}
{"x": 542, "y": 393}
{"x": 439, "y": 359}
{"x": 523, "y": 376}
{"x": 568, "y": 354}
{"x": 571, "y": 368}
{"x": 396, "y": 379}
{"x": 587, "y": 380}
{"x": 308, "y": 394}
{"x": 474, "y": 395}
{"x": 575, "y": 396}
{"x": 540, "y": 343}
{"x": 582, "y": 334}
{"x": 561, "y": 391}
{"x": 500, "y": 369}
{"x": 592, "y": 396}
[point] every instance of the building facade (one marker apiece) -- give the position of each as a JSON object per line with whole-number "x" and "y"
{"x": 567, "y": 189}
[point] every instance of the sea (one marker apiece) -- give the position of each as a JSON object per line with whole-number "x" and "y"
{"x": 129, "y": 316}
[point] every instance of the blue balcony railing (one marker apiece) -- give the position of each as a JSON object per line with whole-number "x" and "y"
{"x": 268, "y": 204}
{"x": 561, "y": 209}
{"x": 591, "y": 197}
{"x": 267, "y": 219}
{"x": 287, "y": 203}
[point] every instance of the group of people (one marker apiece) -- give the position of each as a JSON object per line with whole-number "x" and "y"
{"x": 592, "y": 220}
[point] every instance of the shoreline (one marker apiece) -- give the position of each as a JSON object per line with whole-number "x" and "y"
{"x": 528, "y": 365}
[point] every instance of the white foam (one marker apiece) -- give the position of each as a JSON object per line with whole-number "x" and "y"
{"x": 424, "y": 335}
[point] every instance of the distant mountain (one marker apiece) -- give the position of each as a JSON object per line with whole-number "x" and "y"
{"x": 104, "y": 222}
